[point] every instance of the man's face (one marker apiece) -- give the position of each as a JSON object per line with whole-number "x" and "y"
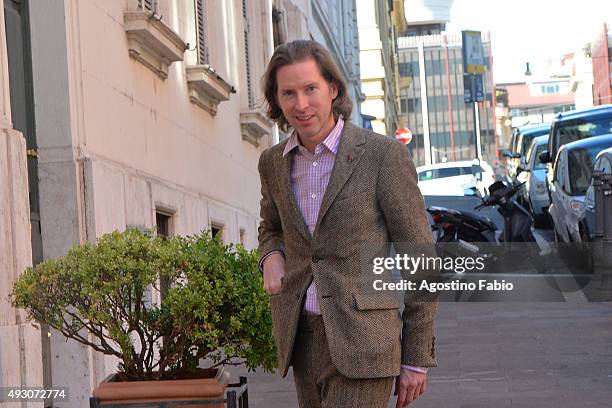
{"x": 305, "y": 98}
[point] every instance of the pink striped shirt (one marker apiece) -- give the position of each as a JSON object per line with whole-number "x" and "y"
{"x": 310, "y": 173}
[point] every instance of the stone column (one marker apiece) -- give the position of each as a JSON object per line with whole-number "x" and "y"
{"x": 55, "y": 48}
{"x": 20, "y": 342}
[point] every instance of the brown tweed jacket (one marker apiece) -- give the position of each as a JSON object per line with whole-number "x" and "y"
{"x": 372, "y": 198}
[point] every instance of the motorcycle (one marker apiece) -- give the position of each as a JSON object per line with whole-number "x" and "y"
{"x": 466, "y": 232}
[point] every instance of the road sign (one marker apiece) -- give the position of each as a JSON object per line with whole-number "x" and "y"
{"x": 404, "y": 135}
{"x": 473, "y": 88}
{"x": 473, "y": 55}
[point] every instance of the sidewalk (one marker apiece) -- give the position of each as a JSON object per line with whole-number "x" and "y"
{"x": 496, "y": 355}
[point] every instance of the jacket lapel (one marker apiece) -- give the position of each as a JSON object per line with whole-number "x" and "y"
{"x": 349, "y": 153}
{"x": 283, "y": 165}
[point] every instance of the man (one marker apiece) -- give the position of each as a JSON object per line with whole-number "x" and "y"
{"x": 328, "y": 191}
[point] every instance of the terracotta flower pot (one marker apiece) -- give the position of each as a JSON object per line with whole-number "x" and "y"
{"x": 210, "y": 385}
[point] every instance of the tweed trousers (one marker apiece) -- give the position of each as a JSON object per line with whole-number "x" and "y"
{"x": 318, "y": 382}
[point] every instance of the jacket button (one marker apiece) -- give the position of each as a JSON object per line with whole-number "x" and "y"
{"x": 315, "y": 259}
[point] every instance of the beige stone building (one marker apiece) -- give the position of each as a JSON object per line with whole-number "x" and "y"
{"x": 136, "y": 113}
{"x": 378, "y": 22}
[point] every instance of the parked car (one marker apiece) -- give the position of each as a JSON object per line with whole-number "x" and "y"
{"x": 512, "y": 145}
{"x": 572, "y": 126}
{"x": 523, "y": 138}
{"x": 532, "y": 172}
{"x": 571, "y": 179}
{"x": 586, "y": 219}
{"x": 454, "y": 178}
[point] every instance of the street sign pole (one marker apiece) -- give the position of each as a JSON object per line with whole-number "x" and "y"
{"x": 424, "y": 106}
{"x": 474, "y": 114}
{"x": 477, "y": 128}
{"x": 473, "y": 68}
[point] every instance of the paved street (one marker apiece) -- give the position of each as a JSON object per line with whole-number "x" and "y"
{"x": 556, "y": 355}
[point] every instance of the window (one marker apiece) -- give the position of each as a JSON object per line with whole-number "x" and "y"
{"x": 426, "y": 175}
{"x": 425, "y": 29}
{"x": 216, "y": 230}
{"x": 414, "y": 105}
{"x": 535, "y": 151}
{"x": 582, "y": 129}
{"x": 207, "y": 88}
{"x": 278, "y": 32}
{"x": 580, "y": 165}
{"x": 526, "y": 139}
{"x": 201, "y": 32}
{"x": 435, "y": 67}
{"x": 410, "y": 105}
{"x": 563, "y": 108}
{"x": 438, "y": 103}
{"x": 408, "y": 69}
{"x": 162, "y": 221}
{"x": 550, "y": 89}
{"x": 560, "y": 170}
{"x": 449, "y": 172}
{"x": 242, "y": 237}
{"x": 444, "y": 172}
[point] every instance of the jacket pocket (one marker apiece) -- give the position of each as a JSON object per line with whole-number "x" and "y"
{"x": 382, "y": 301}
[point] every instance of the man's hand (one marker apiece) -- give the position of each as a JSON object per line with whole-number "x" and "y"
{"x": 409, "y": 386}
{"x": 273, "y": 271}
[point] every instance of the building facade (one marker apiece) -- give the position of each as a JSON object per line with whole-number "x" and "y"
{"x": 135, "y": 114}
{"x": 602, "y": 67}
{"x": 379, "y": 22}
{"x": 538, "y": 101}
{"x": 581, "y": 77}
{"x": 432, "y": 99}
{"x": 427, "y": 17}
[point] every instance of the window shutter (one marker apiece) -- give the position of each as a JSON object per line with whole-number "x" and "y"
{"x": 200, "y": 28}
{"x": 149, "y": 5}
{"x": 251, "y": 99}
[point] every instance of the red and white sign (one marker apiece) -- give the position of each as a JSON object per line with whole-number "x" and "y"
{"x": 404, "y": 135}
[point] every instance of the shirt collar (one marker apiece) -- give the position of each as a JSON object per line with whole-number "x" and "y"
{"x": 331, "y": 141}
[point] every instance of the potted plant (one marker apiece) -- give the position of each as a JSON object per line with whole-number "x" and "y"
{"x": 213, "y": 307}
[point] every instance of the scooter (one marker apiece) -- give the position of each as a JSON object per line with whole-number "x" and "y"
{"x": 464, "y": 230}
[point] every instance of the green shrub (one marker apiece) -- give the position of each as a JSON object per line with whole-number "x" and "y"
{"x": 214, "y": 306}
